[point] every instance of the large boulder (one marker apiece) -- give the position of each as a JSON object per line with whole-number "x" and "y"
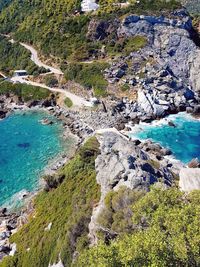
{"x": 121, "y": 162}
{"x": 189, "y": 179}
{"x": 194, "y": 71}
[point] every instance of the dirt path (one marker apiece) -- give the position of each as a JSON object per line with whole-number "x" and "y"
{"x": 38, "y": 62}
{"x": 77, "y": 100}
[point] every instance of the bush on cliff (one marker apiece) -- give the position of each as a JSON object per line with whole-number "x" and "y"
{"x": 167, "y": 233}
{"x": 24, "y": 91}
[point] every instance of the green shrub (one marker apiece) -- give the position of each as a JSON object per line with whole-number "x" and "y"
{"x": 166, "y": 233}
{"x": 117, "y": 214}
{"x": 134, "y": 44}
{"x": 125, "y": 87}
{"x": 88, "y": 75}
{"x": 68, "y": 102}
{"x": 25, "y": 91}
{"x": 51, "y": 81}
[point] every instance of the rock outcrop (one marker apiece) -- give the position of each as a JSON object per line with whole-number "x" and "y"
{"x": 123, "y": 162}
{"x": 166, "y": 70}
{"x": 189, "y": 179}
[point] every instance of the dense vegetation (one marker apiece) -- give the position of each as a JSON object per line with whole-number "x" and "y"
{"x": 24, "y": 91}
{"x": 68, "y": 207}
{"x": 166, "y": 232}
{"x": 55, "y": 27}
{"x": 89, "y": 75}
{"x": 4, "y": 3}
{"x": 14, "y": 56}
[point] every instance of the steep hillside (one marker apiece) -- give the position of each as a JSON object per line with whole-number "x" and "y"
{"x": 67, "y": 209}
{"x": 192, "y": 6}
{"x": 57, "y": 28}
{"x": 14, "y": 56}
{"x": 116, "y": 202}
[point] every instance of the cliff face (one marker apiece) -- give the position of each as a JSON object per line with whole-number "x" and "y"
{"x": 130, "y": 164}
{"x": 165, "y": 71}
{"x": 192, "y": 6}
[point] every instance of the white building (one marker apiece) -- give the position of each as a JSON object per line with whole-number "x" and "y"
{"x": 20, "y": 73}
{"x": 89, "y": 5}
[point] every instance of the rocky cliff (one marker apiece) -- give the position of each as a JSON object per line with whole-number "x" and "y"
{"x": 165, "y": 72}
{"x": 132, "y": 164}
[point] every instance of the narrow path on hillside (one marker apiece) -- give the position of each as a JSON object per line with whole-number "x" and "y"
{"x": 38, "y": 62}
{"x": 77, "y": 100}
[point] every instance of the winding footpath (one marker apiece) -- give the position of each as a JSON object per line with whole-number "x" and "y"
{"x": 38, "y": 62}
{"x": 77, "y": 100}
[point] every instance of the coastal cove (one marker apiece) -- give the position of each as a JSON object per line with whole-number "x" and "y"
{"x": 179, "y": 133}
{"x": 27, "y": 147}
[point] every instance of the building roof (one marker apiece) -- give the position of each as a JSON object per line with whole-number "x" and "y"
{"x": 20, "y": 71}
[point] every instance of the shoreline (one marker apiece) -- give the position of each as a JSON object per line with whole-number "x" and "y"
{"x": 61, "y": 159}
{"x": 169, "y": 121}
{"x": 54, "y": 164}
{"x": 11, "y": 211}
{"x": 77, "y": 127}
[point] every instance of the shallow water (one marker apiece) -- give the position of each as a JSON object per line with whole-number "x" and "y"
{"x": 26, "y": 148}
{"x": 183, "y": 140}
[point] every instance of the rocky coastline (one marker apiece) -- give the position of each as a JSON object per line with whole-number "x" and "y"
{"x": 168, "y": 83}
{"x": 136, "y": 164}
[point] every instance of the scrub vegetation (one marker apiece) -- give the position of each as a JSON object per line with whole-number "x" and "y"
{"x": 89, "y": 75}
{"x": 165, "y": 232}
{"x": 68, "y": 207}
{"x": 59, "y": 30}
{"x": 24, "y": 91}
{"x": 15, "y": 57}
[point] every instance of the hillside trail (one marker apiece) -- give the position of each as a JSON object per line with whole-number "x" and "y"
{"x": 77, "y": 100}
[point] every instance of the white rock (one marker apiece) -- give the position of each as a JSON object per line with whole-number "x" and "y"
{"x": 189, "y": 179}
{"x": 13, "y": 249}
{"x": 59, "y": 264}
{"x": 48, "y": 228}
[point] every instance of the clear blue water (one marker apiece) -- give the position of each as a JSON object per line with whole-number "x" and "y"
{"x": 26, "y": 148}
{"x": 183, "y": 140}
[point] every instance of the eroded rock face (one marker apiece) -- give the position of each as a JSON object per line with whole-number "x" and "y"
{"x": 194, "y": 71}
{"x": 100, "y": 29}
{"x": 189, "y": 179}
{"x": 121, "y": 162}
{"x": 166, "y": 70}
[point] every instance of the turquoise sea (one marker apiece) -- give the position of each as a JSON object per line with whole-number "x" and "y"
{"x": 26, "y": 148}
{"x": 183, "y": 139}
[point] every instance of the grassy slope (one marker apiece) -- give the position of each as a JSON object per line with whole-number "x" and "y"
{"x": 26, "y": 92}
{"x": 68, "y": 208}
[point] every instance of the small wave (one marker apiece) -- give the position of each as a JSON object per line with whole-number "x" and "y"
{"x": 165, "y": 121}
{"x": 17, "y": 200}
